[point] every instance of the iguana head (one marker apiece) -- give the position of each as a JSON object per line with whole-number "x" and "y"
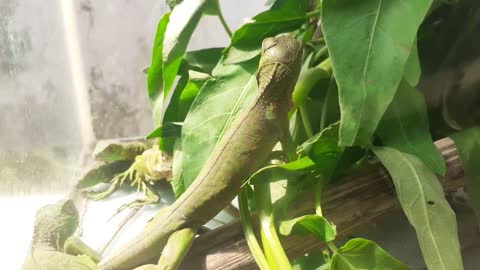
{"x": 284, "y": 50}
{"x": 284, "y": 54}
{"x": 54, "y": 223}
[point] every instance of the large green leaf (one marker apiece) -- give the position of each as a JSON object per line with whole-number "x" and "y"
{"x": 425, "y": 206}
{"x": 185, "y": 93}
{"x": 155, "y": 72}
{"x": 183, "y": 21}
{"x": 166, "y": 130}
{"x": 213, "y": 111}
{"x": 363, "y": 254}
{"x": 203, "y": 60}
{"x": 309, "y": 224}
{"x": 404, "y": 126}
{"x": 413, "y": 70}
{"x": 468, "y": 146}
{"x": 283, "y": 16}
{"x": 369, "y": 43}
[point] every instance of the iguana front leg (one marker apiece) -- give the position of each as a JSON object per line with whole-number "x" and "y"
{"x": 75, "y": 246}
{"x": 150, "y": 197}
{"x": 146, "y": 167}
{"x": 54, "y": 224}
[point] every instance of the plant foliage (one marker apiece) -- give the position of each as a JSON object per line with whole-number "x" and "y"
{"x": 356, "y": 97}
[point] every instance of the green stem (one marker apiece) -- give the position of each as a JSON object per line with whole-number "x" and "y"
{"x": 252, "y": 242}
{"x": 314, "y": 13}
{"x": 224, "y": 23}
{"x": 332, "y": 247}
{"x": 273, "y": 248}
{"x": 288, "y": 146}
{"x": 323, "y": 117}
{"x": 306, "y": 121}
{"x": 326, "y": 65}
{"x": 320, "y": 53}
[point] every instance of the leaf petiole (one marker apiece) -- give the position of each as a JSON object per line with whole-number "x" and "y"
{"x": 314, "y": 13}
{"x": 223, "y": 22}
{"x": 274, "y": 252}
{"x": 252, "y": 242}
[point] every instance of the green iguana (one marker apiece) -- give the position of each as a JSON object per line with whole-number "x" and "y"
{"x": 243, "y": 149}
{"x": 138, "y": 163}
{"x": 52, "y": 241}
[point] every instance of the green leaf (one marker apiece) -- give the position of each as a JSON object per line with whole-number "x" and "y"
{"x": 202, "y": 60}
{"x": 155, "y": 72}
{"x": 468, "y": 146}
{"x": 283, "y": 16}
{"x": 290, "y": 171}
{"x": 423, "y": 201}
{"x": 413, "y": 70}
{"x": 166, "y": 130}
{"x": 404, "y": 127}
{"x": 323, "y": 149}
{"x": 369, "y": 43}
{"x": 185, "y": 93}
{"x": 177, "y": 183}
{"x": 362, "y": 254}
{"x": 211, "y": 114}
{"x": 183, "y": 21}
{"x": 313, "y": 224}
{"x": 312, "y": 261}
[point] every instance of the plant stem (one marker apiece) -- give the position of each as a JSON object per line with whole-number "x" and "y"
{"x": 252, "y": 242}
{"x": 326, "y": 102}
{"x": 273, "y": 248}
{"x": 314, "y": 13}
{"x": 306, "y": 121}
{"x": 321, "y": 52}
{"x": 326, "y": 65}
{"x": 288, "y": 147}
{"x": 332, "y": 246}
{"x": 224, "y": 23}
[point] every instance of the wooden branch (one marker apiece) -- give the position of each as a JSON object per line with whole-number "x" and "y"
{"x": 351, "y": 204}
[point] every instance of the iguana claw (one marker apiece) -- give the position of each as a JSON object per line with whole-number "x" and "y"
{"x": 116, "y": 183}
{"x": 151, "y": 197}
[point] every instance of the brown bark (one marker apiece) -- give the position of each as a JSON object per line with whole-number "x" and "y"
{"x": 351, "y": 204}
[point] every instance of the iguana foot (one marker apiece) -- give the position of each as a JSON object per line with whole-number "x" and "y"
{"x": 150, "y": 197}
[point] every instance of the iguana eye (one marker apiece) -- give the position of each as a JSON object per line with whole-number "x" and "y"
{"x": 69, "y": 208}
{"x": 268, "y": 43}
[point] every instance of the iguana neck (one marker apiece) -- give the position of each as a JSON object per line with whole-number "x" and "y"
{"x": 47, "y": 237}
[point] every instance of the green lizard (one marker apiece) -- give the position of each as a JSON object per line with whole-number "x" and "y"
{"x": 141, "y": 162}
{"x": 243, "y": 149}
{"x": 52, "y": 238}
